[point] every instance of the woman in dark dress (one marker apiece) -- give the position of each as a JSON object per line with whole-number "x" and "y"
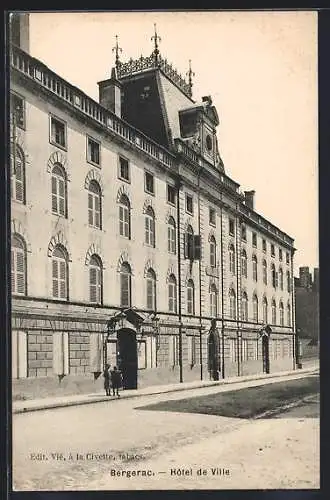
{"x": 116, "y": 381}
{"x": 107, "y": 377}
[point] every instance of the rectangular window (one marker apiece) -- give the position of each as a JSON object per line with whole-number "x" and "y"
{"x": 254, "y": 239}
{"x": 212, "y": 216}
{"x": 272, "y": 250}
{"x": 191, "y": 350}
{"x": 189, "y": 204}
{"x": 244, "y": 350}
{"x": 231, "y": 227}
{"x": 173, "y": 355}
{"x": 93, "y": 151}
{"x": 243, "y": 232}
{"x": 287, "y": 258}
{"x": 171, "y": 194}
{"x": 61, "y": 353}
{"x": 57, "y": 132}
{"x": 149, "y": 183}
{"x": 142, "y": 354}
{"x": 17, "y": 108}
{"x": 19, "y": 354}
{"x": 280, "y": 256}
{"x": 264, "y": 246}
{"x": 232, "y": 350}
{"x": 124, "y": 170}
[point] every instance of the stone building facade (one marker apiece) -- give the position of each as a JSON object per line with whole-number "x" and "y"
{"x": 130, "y": 243}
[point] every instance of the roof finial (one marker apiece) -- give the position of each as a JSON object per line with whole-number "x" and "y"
{"x": 190, "y": 74}
{"x": 156, "y": 39}
{"x": 117, "y": 49}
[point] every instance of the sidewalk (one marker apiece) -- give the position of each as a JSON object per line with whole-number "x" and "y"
{"x": 81, "y": 399}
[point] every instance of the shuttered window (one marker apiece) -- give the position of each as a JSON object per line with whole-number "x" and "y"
{"x": 18, "y": 266}
{"x": 255, "y": 308}
{"x": 94, "y": 204}
{"x": 95, "y": 280}
{"x": 281, "y": 314}
{"x": 59, "y": 274}
{"x": 150, "y": 227}
{"x": 213, "y": 252}
{"x": 273, "y": 312}
{"x": 232, "y": 259}
{"x": 17, "y": 174}
{"x": 125, "y": 285}
{"x": 171, "y": 236}
{"x": 232, "y": 304}
{"x": 213, "y": 301}
{"x": 124, "y": 217}
{"x": 151, "y": 290}
{"x": 172, "y": 294}
{"x": 59, "y": 190}
{"x": 190, "y": 297}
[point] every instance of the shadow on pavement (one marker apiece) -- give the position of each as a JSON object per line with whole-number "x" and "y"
{"x": 296, "y": 398}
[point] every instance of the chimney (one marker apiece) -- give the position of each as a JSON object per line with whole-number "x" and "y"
{"x": 249, "y": 199}
{"x": 110, "y": 93}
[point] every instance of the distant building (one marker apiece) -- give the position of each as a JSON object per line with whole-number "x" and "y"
{"x": 307, "y": 303}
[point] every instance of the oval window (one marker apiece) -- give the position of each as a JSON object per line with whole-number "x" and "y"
{"x": 209, "y": 142}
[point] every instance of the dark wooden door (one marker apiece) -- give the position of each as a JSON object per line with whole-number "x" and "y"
{"x": 265, "y": 353}
{"x": 127, "y": 359}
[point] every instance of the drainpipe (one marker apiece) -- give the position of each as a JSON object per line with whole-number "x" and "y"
{"x": 200, "y": 279}
{"x": 179, "y": 278}
{"x": 296, "y": 347}
{"x": 222, "y": 300}
{"x": 237, "y": 299}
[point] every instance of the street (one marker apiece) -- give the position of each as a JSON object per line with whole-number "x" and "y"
{"x": 115, "y": 445}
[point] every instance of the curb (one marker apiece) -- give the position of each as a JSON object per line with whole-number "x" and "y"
{"x": 101, "y": 399}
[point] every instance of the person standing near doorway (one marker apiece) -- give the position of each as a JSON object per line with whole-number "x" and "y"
{"x": 107, "y": 378}
{"x": 116, "y": 381}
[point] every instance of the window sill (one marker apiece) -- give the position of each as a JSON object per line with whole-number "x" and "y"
{"x": 128, "y": 181}
{"x": 98, "y": 165}
{"x": 60, "y": 146}
{"x": 149, "y": 192}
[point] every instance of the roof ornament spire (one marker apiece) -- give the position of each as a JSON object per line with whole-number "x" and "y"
{"x": 190, "y": 74}
{"x": 156, "y": 39}
{"x": 117, "y": 50}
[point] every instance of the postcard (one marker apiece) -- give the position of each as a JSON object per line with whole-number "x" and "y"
{"x": 164, "y": 250}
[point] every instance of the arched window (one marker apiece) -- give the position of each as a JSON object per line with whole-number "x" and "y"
{"x": 273, "y": 312}
{"x": 124, "y": 217}
{"x": 281, "y": 314}
{"x": 189, "y": 243}
{"x": 273, "y": 274}
{"x": 60, "y": 273}
{"x": 172, "y": 293}
{"x": 59, "y": 191}
{"x": 95, "y": 279}
{"x": 151, "y": 290}
{"x": 125, "y": 285}
{"x": 244, "y": 307}
{"x": 232, "y": 304}
{"x": 213, "y": 252}
{"x": 232, "y": 259}
{"x": 213, "y": 301}
{"x": 288, "y": 314}
{"x": 264, "y": 272}
{"x": 94, "y": 205}
{"x": 280, "y": 274}
{"x": 265, "y": 310}
{"x": 244, "y": 264}
{"x": 18, "y": 266}
{"x": 149, "y": 224}
{"x": 254, "y": 268}
{"x": 255, "y": 308}
{"x": 190, "y": 297}
{"x": 17, "y": 174}
{"x": 171, "y": 236}
{"x": 288, "y": 279}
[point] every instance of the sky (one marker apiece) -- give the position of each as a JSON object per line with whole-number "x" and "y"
{"x": 260, "y": 69}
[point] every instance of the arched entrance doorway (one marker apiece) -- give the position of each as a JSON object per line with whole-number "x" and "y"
{"x": 213, "y": 354}
{"x": 127, "y": 357}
